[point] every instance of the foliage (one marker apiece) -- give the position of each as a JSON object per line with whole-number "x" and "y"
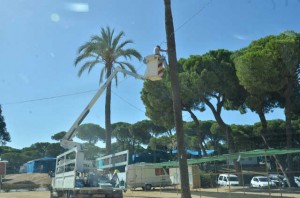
{"x": 206, "y": 180}
{"x": 151, "y": 128}
{"x": 163, "y": 143}
{"x": 215, "y": 84}
{"x": 54, "y": 150}
{"x": 131, "y": 136}
{"x": 269, "y": 70}
{"x": 107, "y": 51}
{"x": 58, "y": 136}
{"x": 139, "y": 133}
{"x": 266, "y": 67}
{"x": 7, "y": 149}
{"x": 4, "y": 134}
{"x": 121, "y": 131}
{"x": 157, "y": 98}
{"x": 42, "y": 147}
{"x": 91, "y": 133}
{"x": 214, "y": 76}
{"x": 15, "y": 160}
{"x": 91, "y": 151}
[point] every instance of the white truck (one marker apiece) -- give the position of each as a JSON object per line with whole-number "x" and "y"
{"x": 76, "y": 177}
{"x": 146, "y": 176}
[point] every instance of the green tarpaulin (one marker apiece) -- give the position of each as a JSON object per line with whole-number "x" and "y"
{"x": 233, "y": 156}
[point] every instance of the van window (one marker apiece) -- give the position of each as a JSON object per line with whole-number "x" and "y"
{"x": 159, "y": 171}
{"x": 233, "y": 179}
{"x": 221, "y": 178}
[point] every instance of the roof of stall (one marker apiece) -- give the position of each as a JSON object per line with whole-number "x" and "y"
{"x": 234, "y": 156}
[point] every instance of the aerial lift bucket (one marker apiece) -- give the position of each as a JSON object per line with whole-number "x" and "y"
{"x": 154, "y": 70}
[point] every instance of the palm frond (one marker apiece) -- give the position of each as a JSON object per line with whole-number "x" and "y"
{"x": 116, "y": 40}
{"x": 116, "y": 80}
{"x": 96, "y": 39}
{"x": 82, "y": 47}
{"x": 111, "y": 36}
{"x": 80, "y": 58}
{"x": 123, "y": 44}
{"x": 107, "y": 35}
{"x": 86, "y": 66}
{"x": 92, "y": 65}
{"x": 128, "y": 53}
{"x": 128, "y": 65}
{"x": 101, "y": 75}
{"x": 106, "y": 49}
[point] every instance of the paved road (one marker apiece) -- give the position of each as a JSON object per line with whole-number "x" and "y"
{"x": 204, "y": 193}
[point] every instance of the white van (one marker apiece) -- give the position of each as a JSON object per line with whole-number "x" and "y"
{"x": 146, "y": 176}
{"x": 228, "y": 180}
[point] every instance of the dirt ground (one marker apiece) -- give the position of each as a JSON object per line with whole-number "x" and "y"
{"x": 173, "y": 193}
{"x": 37, "y": 178}
{"x": 222, "y": 192}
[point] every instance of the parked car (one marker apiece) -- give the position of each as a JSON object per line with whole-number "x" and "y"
{"x": 297, "y": 180}
{"x": 279, "y": 180}
{"x": 228, "y": 180}
{"x": 262, "y": 182}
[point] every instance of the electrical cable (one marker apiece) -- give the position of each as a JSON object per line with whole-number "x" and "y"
{"x": 78, "y": 93}
{"x": 49, "y": 98}
{"x": 128, "y": 102}
{"x": 189, "y": 19}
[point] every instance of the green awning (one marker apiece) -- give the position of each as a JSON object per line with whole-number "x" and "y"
{"x": 233, "y": 156}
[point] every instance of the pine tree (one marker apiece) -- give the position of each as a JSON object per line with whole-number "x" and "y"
{"x": 4, "y": 134}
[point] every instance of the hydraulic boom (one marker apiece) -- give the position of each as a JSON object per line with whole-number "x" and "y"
{"x": 67, "y": 142}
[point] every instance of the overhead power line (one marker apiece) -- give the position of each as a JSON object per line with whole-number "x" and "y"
{"x": 190, "y": 18}
{"x": 83, "y": 92}
{"x": 64, "y": 95}
{"x": 49, "y": 98}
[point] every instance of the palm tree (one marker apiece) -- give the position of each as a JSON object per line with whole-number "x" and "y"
{"x": 106, "y": 50}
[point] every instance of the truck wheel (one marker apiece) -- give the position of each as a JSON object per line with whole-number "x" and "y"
{"x": 68, "y": 194}
{"x": 65, "y": 195}
{"x": 148, "y": 187}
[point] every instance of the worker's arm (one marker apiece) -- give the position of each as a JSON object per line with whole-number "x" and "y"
{"x": 162, "y": 50}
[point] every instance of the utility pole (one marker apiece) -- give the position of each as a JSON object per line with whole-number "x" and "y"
{"x": 170, "y": 34}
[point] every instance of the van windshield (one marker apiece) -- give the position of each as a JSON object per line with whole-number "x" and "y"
{"x": 263, "y": 179}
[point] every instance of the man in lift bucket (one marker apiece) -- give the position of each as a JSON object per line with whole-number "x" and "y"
{"x": 157, "y": 51}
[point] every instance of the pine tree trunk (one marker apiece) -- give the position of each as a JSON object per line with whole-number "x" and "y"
{"x": 264, "y": 131}
{"x": 230, "y": 141}
{"x": 199, "y": 133}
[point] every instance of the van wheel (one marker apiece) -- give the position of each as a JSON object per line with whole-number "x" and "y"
{"x": 148, "y": 187}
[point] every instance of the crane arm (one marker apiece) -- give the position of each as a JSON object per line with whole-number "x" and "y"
{"x": 67, "y": 142}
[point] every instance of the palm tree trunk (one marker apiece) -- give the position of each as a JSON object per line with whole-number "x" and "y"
{"x": 185, "y": 188}
{"x": 107, "y": 112}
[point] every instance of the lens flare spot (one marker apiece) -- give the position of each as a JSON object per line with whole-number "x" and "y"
{"x": 55, "y": 17}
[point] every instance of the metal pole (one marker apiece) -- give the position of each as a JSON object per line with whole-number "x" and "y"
{"x": 0, "y": 183}
{"x": 267, "y": 171}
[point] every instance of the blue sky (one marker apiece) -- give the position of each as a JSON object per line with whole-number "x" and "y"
{"x": 39, "y": 42}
